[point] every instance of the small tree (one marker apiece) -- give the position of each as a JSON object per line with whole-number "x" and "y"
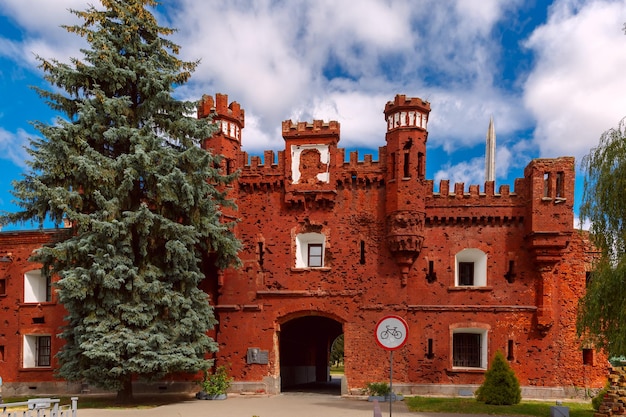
{"x": 501, "y": 386}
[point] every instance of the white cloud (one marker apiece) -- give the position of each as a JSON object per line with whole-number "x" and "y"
{"x": 577, "y": 89}
{"x": 11, "y": 50}
{"x": 460, "y": 118}
{"x": 44, "y": 17}
{"x": 584, "y": 226}
{"x": 42, "y": 34}
{"x": 12, "y": 146}
{"x": 271, "y": 57}
{"x": 274, "y": 59}
{"x": 468, "y": 172}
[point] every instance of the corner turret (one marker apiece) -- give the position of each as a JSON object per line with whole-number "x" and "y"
{"x": 226, "y": 141}
{"x": 230, "y": 118}
{"x": 406, "y": 137}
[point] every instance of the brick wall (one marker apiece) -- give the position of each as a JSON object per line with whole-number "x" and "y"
{"x": 19, "y": 318}
{"x": 391, "y": 241}
{"x": 536, "y": 263}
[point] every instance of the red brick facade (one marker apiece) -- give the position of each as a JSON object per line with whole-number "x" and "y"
{"x": 29, "y": 310}
{"x": 331, "y": 245}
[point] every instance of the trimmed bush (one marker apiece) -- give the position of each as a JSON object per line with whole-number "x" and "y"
{"x": 501, "y": 386}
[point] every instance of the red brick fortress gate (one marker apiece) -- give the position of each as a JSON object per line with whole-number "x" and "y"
{"x": 332, "y": 242}
{"x": 472, "y": 269}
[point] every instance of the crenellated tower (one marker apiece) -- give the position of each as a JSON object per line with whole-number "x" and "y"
{"x": 406, "y": 138}
{"x": 309, "y": 162}
{"x": 230, "y": 119}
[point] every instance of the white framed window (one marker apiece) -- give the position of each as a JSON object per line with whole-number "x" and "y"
{"x": 37, "y": 287}
{"x": 469, "y": 348}
{"x": 310, "y": 250}
{"x": 471, "y": 268}
{"x": 37, "y": 351}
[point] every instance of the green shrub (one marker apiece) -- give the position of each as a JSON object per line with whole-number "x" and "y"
{"x": 216, "y": 383}
{"x": 501, "y": 386}
{"x": 596, "y": 401}
{"x": 377, "y": 389}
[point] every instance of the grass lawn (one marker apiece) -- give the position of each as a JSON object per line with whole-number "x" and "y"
{"x": 471, "y": 406}
{"x": 336, "y": 369}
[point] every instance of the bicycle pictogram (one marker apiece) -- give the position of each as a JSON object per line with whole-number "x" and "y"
{"x": 391, "y": 331}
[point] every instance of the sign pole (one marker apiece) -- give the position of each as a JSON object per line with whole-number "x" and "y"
{"x": 390, "y": 380}
{"x": 391, "y": 334}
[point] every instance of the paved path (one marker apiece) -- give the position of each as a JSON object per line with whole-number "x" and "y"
{"x": 282, "y": 405}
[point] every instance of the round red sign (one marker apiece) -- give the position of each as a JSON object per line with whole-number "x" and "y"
{"x": 391, "y": 332}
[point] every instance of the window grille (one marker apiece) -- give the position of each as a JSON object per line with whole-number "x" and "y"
{"x": 43, "y": 350}
{"x": 466, "y": 350}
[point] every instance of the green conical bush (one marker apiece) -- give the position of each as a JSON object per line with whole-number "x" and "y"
{"x": 501, "y": 386}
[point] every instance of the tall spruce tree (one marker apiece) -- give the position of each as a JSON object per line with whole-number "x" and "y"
{"x": 124, "y": 167}
{"x": 602, "y": 313}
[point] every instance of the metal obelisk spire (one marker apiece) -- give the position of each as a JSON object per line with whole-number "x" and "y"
{"x": 490, "y": 153}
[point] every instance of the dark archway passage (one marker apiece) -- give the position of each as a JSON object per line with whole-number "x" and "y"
{"x": 305, "y": 344}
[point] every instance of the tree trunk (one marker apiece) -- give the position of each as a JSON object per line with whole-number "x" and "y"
{"x": 125, "y": 394}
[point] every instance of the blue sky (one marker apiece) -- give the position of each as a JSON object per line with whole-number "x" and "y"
{"x": 551, "y": 73}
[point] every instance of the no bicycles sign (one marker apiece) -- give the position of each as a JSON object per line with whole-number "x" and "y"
{"x": 391, "y": 332}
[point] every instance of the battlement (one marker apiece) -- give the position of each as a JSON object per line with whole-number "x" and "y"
{"x": 406, "y": 112}
{"x": 229, "y": 117}
{"x": 268, "y": 164}
{"x": 273, "y": 163}
{"x": 368, "y": 160}
{"x": 221, "y": 108}
{"x": 400, "y": 101}
{"x": 312, "y": 164}
{"x": 317, "y": 129}
{"x": 458, "y": 190}
{"x": 360, "y": 169}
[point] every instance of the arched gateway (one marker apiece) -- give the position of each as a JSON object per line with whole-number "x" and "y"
{"x": 304, "y": 349}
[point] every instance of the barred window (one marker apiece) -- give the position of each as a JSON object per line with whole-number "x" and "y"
{"x": 43, "y": 350}
{"x": 466, "y": 350}
{"x": 37, "y": 351}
